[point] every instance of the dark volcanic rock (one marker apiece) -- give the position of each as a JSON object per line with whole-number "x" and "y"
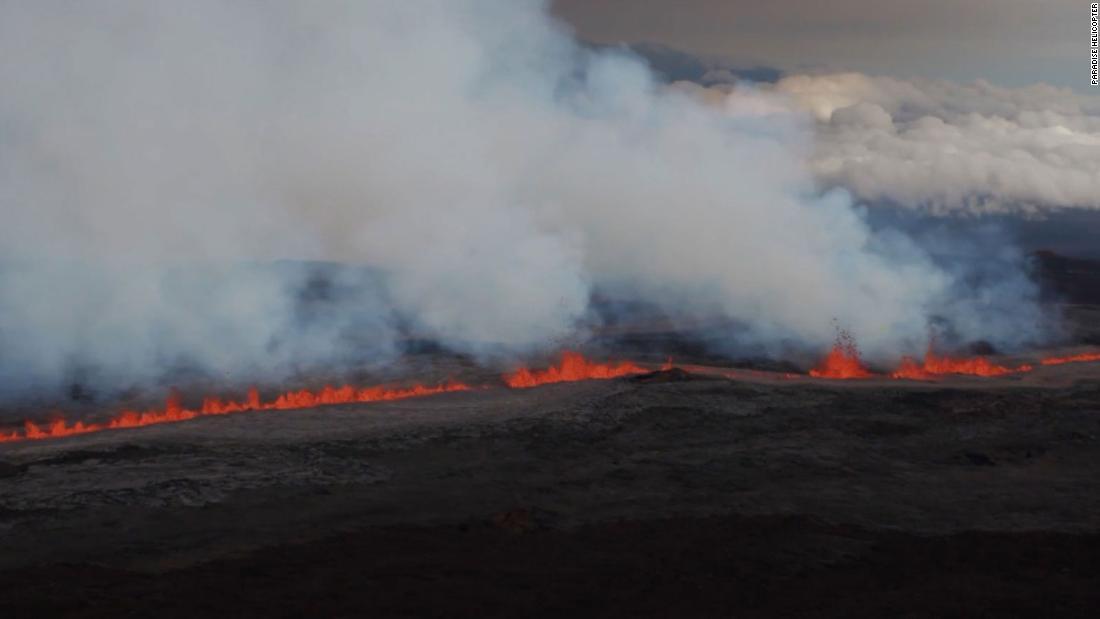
{"x": 978, "y": 459}
{"x": 726, "y": 566}
{"x": 664, "y": 494}
{"x": 10, "y": 470}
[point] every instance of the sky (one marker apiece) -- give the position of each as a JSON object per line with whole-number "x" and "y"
{"x": 1007, "y": 42}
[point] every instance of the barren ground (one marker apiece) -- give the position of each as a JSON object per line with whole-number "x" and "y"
{"x": 665, "y": 495}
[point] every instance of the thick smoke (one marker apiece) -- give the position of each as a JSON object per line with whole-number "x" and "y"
{"x": 167, "y": 169}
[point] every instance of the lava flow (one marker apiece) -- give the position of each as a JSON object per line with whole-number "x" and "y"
{"x": 843, "y": 360}
{"x": 573, "y": 367}
{"x": 174, "y": 410}
{"x": 937, "y": 365}
{"x": 1081, "y": 358}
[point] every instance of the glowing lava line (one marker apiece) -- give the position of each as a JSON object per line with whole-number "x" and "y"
{"x": 842, "y": 362}
{"x": 1081, "y": 358}
{"x": 937, "y": 365}
{"x": 573, "y": 367}
{"x": 174, "y": 411}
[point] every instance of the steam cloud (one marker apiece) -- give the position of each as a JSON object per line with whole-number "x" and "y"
{"x": 167, "y": 169}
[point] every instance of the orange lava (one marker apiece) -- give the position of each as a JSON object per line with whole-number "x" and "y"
{"x": 843, "y": 361}
{"x": 937, "y": 365}
{"x": 573, "y": 367}
{"x": 212, "y": 405}
{"x": 1081, "y": 358}
{"x": 911, "y": 369}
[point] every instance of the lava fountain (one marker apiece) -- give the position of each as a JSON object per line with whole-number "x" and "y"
{"x": 843, "y": 361}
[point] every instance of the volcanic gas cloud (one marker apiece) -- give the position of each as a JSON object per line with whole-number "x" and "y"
{"x": 268, "y": 191}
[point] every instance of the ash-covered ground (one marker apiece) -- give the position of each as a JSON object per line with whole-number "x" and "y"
{"x": 700, "y": 491}
{"x": 658, "y": 495}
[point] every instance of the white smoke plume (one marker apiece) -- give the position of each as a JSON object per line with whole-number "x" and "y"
{"x": 166, "y": 168}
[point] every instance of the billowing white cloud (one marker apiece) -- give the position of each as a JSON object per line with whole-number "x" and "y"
{"x": 943, "y": 146}
{"x": 488, "y": 168}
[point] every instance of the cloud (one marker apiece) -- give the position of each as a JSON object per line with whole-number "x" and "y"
{"x": 945, "y": 147}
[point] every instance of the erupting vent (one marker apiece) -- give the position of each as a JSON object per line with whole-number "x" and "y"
{"x": 842, "y": 362}
{"x": 573, "y": 367}
{"x": 936, "y": 365}
{"x": 212, "y": 405}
